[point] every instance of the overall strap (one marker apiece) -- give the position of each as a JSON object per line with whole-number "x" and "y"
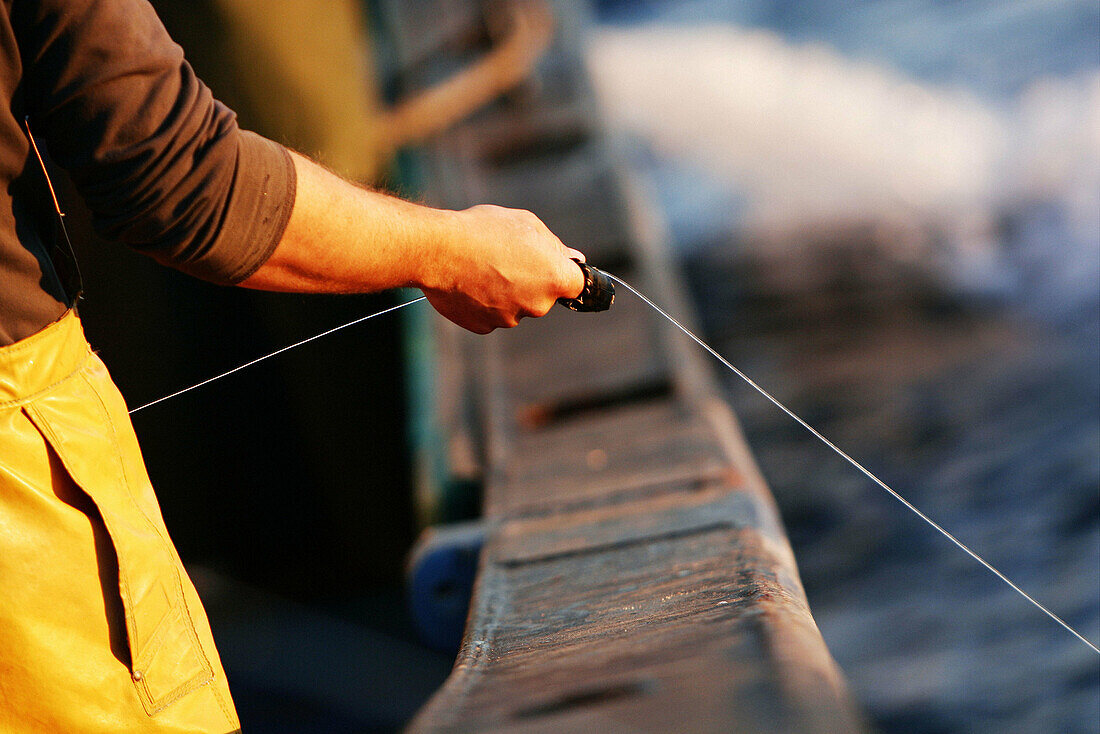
{"x": 59, "y": 247}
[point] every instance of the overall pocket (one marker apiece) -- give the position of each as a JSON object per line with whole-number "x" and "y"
{"x": 86, "y": 424}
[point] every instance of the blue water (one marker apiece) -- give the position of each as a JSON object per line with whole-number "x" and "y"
{"x": 994, "y": 46}
{"x": 985, "y": 412}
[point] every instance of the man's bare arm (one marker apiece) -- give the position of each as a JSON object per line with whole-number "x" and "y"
{"x": 483, "y": 268}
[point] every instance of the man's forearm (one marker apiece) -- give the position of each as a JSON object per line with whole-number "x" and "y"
{"x": 483, "y": 268}
{"x": 344, "y": 239}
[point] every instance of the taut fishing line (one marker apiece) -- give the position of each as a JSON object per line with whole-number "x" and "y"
{"x": 279, "y": 351}
{"x": 730, "y": 367}
{"x": 854, "y": 463}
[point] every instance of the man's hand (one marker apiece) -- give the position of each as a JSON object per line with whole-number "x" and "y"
{"x": 483, "y": 268}
{"x": 504, "y": 265}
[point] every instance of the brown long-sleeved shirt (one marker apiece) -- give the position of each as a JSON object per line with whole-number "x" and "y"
{"x": 160, "y": 163}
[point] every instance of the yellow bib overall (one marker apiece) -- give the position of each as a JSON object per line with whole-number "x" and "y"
{"x": 100, "y": 628}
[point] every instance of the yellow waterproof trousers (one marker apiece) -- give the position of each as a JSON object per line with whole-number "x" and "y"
{"x": 100, "y": 628}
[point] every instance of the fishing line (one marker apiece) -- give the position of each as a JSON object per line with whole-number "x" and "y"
{"x": 854, "y": 463}
{"x": 733, "y": 369}
{"x": 278, "y": 351}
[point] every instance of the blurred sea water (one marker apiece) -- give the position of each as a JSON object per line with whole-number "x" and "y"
{"x": 976, "y": 395}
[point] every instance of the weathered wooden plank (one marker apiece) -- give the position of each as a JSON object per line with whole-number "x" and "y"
{"x": 662, "y": 597}
{"x": 636, "y": 576}
{"x": 604, "y": 448}
{"x": 595, "y": 354}
{"x": 574, "y": 493}
{"x": 695, "y": 632}
{"x": 590, "y": 531}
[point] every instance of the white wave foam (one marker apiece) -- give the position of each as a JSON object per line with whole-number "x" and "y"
{"x": 812, "y": 140}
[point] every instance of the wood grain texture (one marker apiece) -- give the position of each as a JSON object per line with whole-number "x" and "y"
{"x": 636, "y": 575}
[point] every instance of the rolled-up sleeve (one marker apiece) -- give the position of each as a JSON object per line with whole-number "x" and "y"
{"x": 162, "y": 165}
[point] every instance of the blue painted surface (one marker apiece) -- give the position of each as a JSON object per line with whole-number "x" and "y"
{"x": 441, "y": 581}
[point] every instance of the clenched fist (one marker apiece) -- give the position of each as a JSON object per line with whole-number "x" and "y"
{"x": 502, "y": 265}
